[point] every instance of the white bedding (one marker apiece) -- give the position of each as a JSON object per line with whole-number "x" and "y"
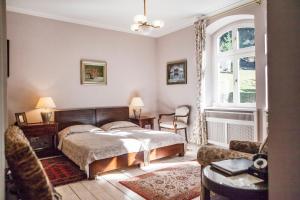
{"x": 85, "y": 147}
{"x": 151, "y": 139}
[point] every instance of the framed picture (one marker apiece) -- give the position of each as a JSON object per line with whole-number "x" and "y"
{"x": 177, "y": 72}
{"x": 21, "y": 118}
{"x": 93, "y": 72}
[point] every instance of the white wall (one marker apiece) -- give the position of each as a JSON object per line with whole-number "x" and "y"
{"x": 172, "y": 47}
{"x": 45, "y": 61}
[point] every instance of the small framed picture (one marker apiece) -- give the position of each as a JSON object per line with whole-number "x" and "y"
{"x": 21, "y": 118}
{"x": 93, "y": 72}
{"x": 177, "y": 72}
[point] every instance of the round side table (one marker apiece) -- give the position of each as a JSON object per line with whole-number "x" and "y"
{"x": 215, "y": 181}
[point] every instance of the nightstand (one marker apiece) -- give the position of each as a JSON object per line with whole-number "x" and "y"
{"x": 144, "y": 121}
{"x": 42, "y": 138}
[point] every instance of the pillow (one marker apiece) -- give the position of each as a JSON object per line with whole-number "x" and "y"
{"x": 83, "y": 128}
{"x": 78, "y": 129}
{"x": 118, "y": 124}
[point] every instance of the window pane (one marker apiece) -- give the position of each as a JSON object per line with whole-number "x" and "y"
{"x": 247, "y": 79}
{"x": 246, "y": 37}
{"x": 225, "y": 42}
{"x": 226, "y": 82}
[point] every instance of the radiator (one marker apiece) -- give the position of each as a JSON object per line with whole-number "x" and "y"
{"x": 226, "y": 125}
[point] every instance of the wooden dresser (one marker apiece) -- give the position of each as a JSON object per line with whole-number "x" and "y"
{"x": 42, "y": 137}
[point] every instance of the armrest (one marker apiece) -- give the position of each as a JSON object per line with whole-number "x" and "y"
{"x": 208, "y": 154}
{"x": 244, "y": 146}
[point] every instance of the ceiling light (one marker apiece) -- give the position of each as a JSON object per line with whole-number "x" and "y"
{"x": 142, "y": 25}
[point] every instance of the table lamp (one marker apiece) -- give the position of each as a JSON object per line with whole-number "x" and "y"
{"x": 46, "y": 103}
{"x": 137, "y": 104}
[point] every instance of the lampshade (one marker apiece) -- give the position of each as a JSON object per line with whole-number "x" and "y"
{"x": 137, "y": 102}
{"x": 158, "y": 23}
{"x": 45, "y": 102}
{"x": 135, "y": 27}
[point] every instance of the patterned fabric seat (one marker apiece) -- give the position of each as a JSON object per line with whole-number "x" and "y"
{"x": 171, "y": 125}
{"x": 237, "y": 149}
{"x": 27, "y": 171}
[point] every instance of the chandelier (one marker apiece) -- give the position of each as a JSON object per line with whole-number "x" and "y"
{"x": 142, "y": 25}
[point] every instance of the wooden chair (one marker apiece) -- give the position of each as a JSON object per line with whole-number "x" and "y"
{"x": 177, "y": 121}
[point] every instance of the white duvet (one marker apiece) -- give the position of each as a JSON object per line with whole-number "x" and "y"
{"x": 84, "y": 147}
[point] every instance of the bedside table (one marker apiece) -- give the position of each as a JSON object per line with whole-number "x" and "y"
{"x": 42, "y": 138}
{"x": 144, "y": 121}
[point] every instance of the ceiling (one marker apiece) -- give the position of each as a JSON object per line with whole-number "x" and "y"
{"x": 118, "y": 14}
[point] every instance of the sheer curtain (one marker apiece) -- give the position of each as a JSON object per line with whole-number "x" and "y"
{"x": 199, "y": 134}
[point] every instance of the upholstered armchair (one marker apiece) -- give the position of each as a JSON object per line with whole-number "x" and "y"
{"x": 237, "y": 149}
{"x": 27, "y": 172}
{"x": 175, "y": 121}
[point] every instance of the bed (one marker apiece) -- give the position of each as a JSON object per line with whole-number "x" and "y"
{"x": 124, "y": 146}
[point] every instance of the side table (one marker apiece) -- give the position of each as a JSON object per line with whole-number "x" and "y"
{"x": 143, "y": 121}
{"x": 213, "y": 180}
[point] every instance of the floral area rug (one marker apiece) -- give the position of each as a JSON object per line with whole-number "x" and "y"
{"x": 174, "y": 183}
{"x": 61, "y": 170}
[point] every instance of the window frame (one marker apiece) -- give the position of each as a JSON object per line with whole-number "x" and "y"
{"x": 234, "y": 55}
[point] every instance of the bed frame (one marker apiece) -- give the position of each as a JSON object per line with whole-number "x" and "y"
{"x": 101, "y": 116}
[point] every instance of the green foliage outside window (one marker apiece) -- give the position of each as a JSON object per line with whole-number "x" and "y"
{"x": 225, "y": 43}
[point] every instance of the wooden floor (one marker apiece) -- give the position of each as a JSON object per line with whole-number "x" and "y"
{"x": 107, "y": 186}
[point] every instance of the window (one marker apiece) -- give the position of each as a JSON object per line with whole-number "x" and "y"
{"x": 234, "y": 65}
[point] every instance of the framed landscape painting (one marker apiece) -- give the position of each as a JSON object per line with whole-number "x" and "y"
{"x": 93, "y": 72}
{"x": 177, "y": 72}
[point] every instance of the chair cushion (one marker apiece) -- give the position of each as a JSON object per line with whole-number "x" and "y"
{"x": 170, "y": 125}
{"x": 244, "y": 146}
{"x": 181, "y": 111}
{"x": 26, "y": 169}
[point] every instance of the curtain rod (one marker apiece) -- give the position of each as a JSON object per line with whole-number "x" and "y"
{"x": 230, "y": 10}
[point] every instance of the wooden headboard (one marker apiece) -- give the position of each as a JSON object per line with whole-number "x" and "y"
{"x": 106, "y": 115}
{"x": 93, "y": 116}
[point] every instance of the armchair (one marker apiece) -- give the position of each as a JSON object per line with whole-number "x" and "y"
{"x": 176, "y": 121}
{"x": 26, "y": 169}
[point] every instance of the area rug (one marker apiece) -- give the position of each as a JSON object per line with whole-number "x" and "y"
{"x": 61, "y": 170}
{"x": 174, "y": 183}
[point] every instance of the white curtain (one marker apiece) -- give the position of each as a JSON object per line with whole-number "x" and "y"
{"x": 199, "y": 134}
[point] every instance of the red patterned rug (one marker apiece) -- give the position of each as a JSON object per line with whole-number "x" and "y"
{"x": 61, "y": 170}
{"x": 174, "y": 183}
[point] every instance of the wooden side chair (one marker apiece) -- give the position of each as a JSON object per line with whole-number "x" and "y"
{"x": 176, "y": 121}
